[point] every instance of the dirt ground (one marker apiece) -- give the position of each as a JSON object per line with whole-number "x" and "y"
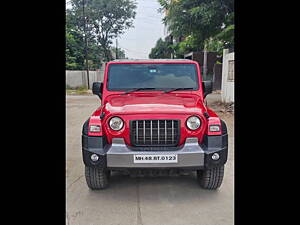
{"x": 175, "y": 200}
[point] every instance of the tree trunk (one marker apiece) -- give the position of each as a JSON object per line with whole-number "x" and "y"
{"x": 85, "y": 46}
{"x": 107, "y": 54}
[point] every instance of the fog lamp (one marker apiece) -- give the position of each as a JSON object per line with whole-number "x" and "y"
{"x": 215, "y": 156}
{"x": 94, "y": 157}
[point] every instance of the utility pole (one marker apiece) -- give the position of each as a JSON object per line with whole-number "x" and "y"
{"x": 205, "y": 62}
{"x": 86, "y": 45}
{"x": 117, "y": 48}
{"x": 171, "y": 42}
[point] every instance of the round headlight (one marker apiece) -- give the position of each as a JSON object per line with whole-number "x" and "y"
{"x": 193, "y": 123}
{"x": 116, "y": 123}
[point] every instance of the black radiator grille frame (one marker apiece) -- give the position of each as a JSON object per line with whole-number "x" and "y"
{"x": 133, "y": 137}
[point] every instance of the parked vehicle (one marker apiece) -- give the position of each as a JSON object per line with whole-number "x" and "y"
{"x": 153, "y": 117}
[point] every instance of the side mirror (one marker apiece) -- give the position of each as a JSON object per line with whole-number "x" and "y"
{"x": 97, "y": 89}
{"x": 207, "y": 87}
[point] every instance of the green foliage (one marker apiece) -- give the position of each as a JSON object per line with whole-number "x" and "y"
{"x": 68, "y": 87}
{"x": 203, "y": 23}
{"x": 214, "y": 45}
{"x": 75, "y": 54}
{"x": 187, "y": 45}
{"x": 74, "y": 43}
{"x": 225, "y": 39}
{"x": 121, "y": 53}
{"x": 162, "y": 50}
{"x": 105, "y": 19}
{"x": 227, "y": 36}
{"x": 81, "y": 90}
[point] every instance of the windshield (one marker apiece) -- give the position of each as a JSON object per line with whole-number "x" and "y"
{"x": 158, "y": 76}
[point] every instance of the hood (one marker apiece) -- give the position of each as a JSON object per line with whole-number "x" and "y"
{"x": 154, "y": 103}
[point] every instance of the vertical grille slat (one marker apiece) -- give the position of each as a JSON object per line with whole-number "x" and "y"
{"x": 151, "y": 132}
{"x": 144, "y": 132}
{"x": 158, "y": 131}
{"x": 172, "y": 130}
{"x": 154, "y": 132}
{"x": 165, "y": 132}
{"x": 137, "y": 131}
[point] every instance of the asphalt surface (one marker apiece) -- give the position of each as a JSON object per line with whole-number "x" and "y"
{"x": 175, "y": 200}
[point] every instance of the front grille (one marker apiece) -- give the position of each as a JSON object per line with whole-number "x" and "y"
{"x": 154, "y": 132}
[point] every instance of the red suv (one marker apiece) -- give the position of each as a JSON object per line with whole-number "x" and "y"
{"x": 153, "y": 118}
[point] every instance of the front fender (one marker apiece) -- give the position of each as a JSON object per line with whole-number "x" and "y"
{"x": 93, "y": 145}
{"x": 216, "y": 144}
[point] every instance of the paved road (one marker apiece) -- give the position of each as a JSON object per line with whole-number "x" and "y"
{"x": 142, "y": 201}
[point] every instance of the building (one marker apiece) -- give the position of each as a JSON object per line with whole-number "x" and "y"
{"x": 227, "y": 93}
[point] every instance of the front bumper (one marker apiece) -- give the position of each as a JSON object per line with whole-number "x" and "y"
{"x": 191, "y": 155}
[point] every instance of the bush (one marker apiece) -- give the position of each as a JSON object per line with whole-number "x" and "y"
{"x": 68, "y": 87}
{"x": 81, "y": 88}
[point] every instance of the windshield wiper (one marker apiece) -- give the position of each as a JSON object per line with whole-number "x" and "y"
{"x": 177, "y": 89}
{"x": 138, "y": 89}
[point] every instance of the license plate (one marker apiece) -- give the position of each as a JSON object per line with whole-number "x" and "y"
{"x": 155, "y": 159}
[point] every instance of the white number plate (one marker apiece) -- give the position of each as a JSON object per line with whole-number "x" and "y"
{"x": 155, "y": 159}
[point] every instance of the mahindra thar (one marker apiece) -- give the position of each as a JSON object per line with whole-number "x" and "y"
{"x": 153, "y": 118}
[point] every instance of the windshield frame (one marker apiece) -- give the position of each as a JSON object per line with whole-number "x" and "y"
{"x": 197, "y": 88}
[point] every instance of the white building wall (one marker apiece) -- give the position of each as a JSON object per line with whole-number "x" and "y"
{"x": 79, "y": 78}
{"x": 75, "y": 78}
{"x": 227, "y": 93}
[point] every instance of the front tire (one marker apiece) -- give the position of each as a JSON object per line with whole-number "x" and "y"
{"x": 96, "y": 178}
{"x": 211, "y": 178}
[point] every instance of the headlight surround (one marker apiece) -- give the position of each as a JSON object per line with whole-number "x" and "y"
{"x": 116, "y": 123}
{"x": 193, "y": 123}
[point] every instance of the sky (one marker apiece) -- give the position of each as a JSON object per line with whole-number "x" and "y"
{"x": 148, "y": 28}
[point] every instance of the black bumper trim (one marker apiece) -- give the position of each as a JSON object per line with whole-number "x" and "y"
{"x": 215, "y": 144}
{"x": 94, "y": 145}
{"x": 211, "y": 144}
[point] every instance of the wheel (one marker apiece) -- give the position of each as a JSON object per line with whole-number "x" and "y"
{"x": 211, "y": 178}
{"x": 96, "y": 178}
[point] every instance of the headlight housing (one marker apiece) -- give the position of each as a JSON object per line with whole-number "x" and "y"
{"x": 116, "y": 123}
{"x": 193, "y": 123}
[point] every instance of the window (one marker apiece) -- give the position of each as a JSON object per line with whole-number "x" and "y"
{"x": 162, "y": 76}
{"x": 230, "y": 70}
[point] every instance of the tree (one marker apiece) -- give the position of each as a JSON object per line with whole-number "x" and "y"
{"x": 121, "y": 53}
{"x": 108, "y": 19}
{"x": 199, "y": 22}
{"x": 75, "y": 42}
{"x": 72, "y": 58}
{"x": 225, "y": 39}
{"x": 162, "y": 50}
{"x": 75, "y": 54}
{"x": 74, "y": 45}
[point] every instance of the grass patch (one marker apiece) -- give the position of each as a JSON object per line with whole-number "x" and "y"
{"x": 222, "y": 107}
{"x": 82, "y": 90}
